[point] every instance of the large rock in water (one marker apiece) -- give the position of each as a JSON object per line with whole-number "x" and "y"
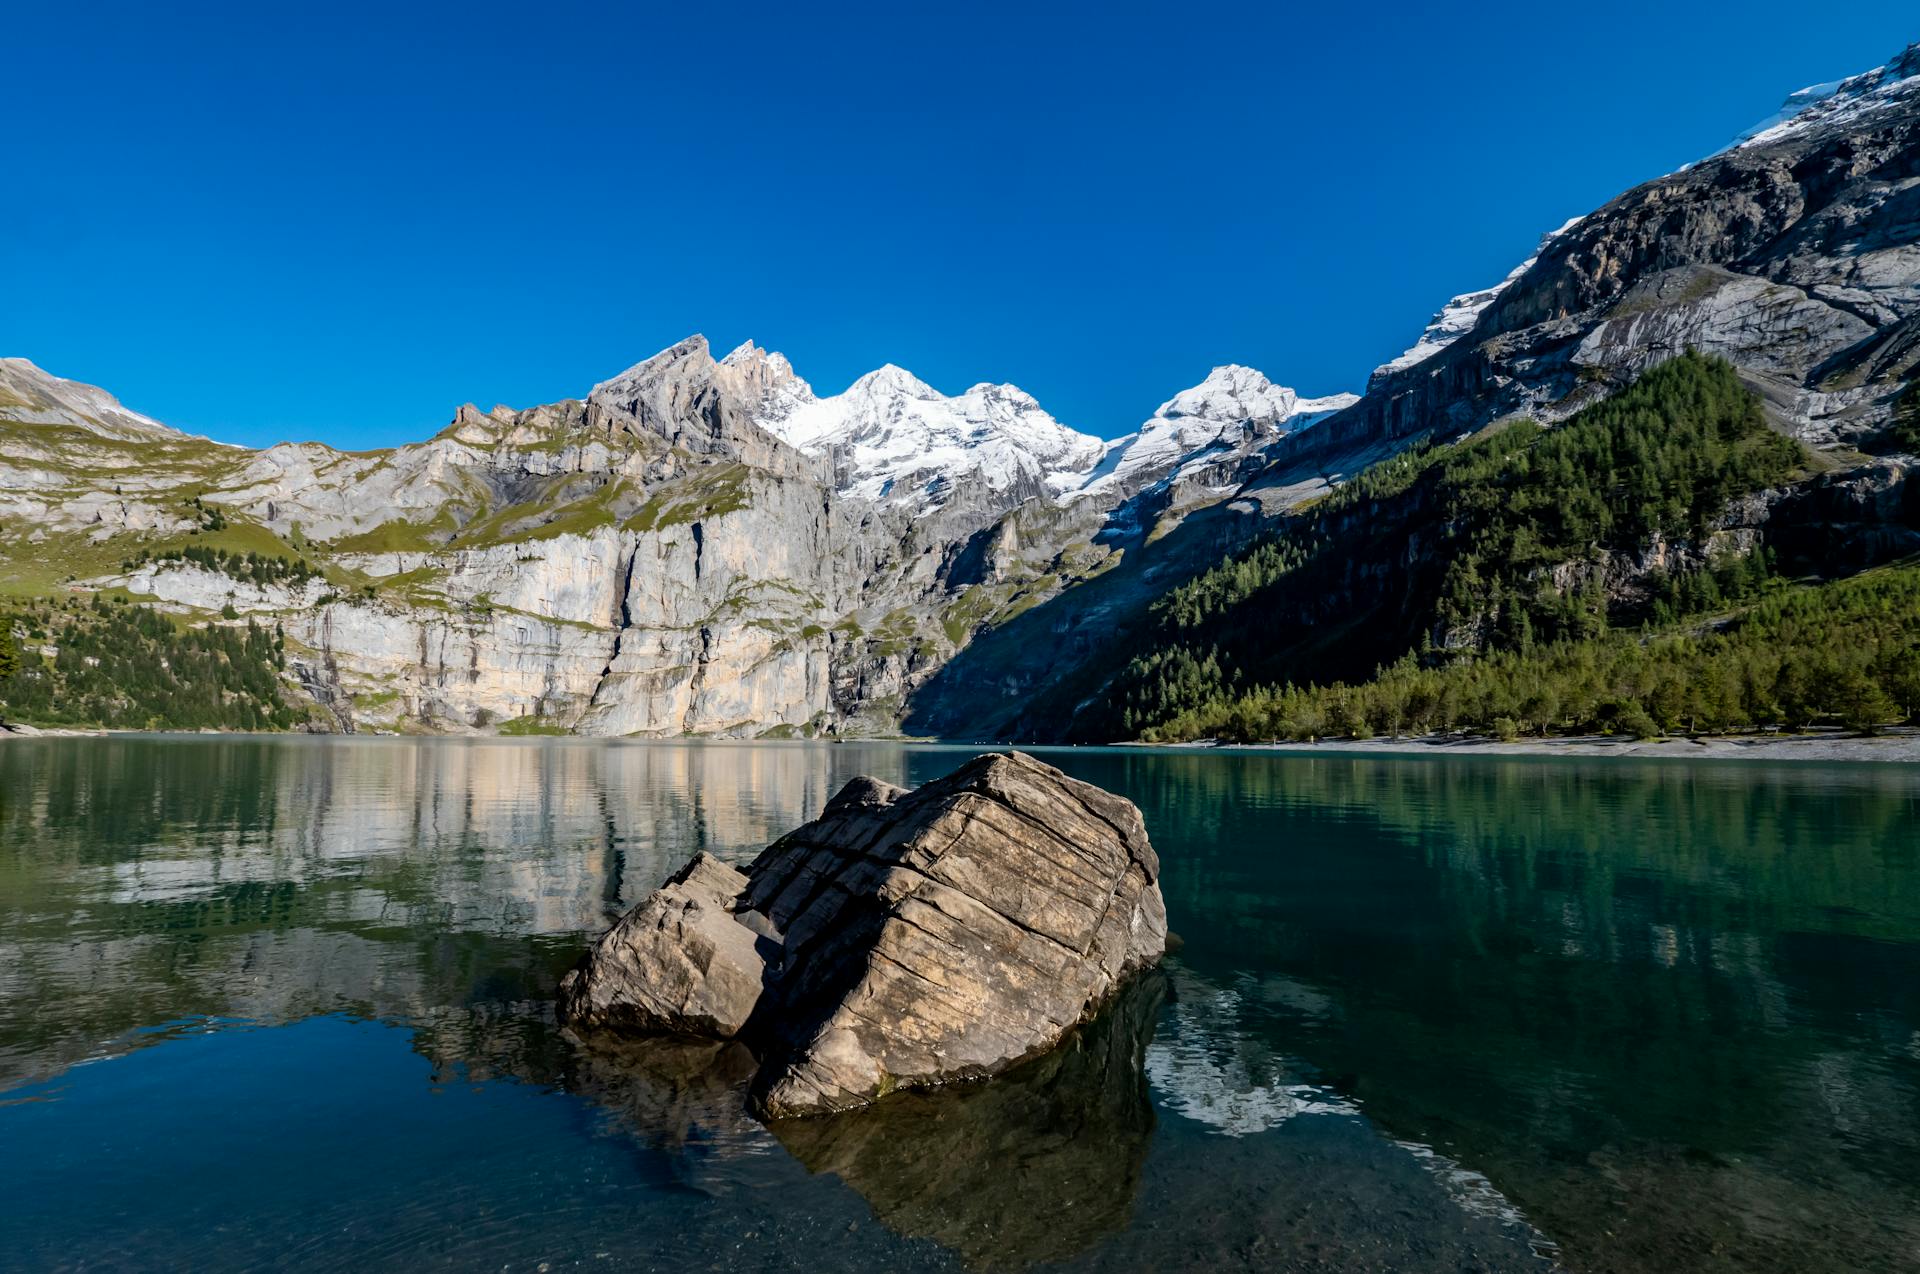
{"x": 679, "y": 963}
{"x": 900, "y": 940}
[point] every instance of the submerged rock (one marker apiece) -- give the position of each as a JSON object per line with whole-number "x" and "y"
{"x": 900, "y": 940}
{"x": 1035, "y": 1167}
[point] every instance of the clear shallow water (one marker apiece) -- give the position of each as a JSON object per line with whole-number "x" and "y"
{"x": 286, "y": 1001}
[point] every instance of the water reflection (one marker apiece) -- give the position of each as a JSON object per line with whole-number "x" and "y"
{"x": 1210, "y": 1068}
{"x": 277, "y": 879}
{"x": 1035, "y": 1166}
{"x": 1427, "y": 1011}
{"x": 1664, "y": 1008}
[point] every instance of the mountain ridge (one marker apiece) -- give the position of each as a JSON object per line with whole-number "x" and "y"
{"x": 706, "y": 545}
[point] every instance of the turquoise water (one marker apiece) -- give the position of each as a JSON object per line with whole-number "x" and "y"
{"x": 285, "y": 1001}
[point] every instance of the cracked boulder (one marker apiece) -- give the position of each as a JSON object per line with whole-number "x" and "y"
{"x": 901, "y": 940}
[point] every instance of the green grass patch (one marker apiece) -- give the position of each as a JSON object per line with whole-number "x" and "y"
{"x": 711, "y": 494}
{"x": 531, "y": 726}
{"x": 401, "y": 536}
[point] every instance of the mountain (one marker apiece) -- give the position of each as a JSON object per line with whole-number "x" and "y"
{"x": 1203, "y": 433}
{"x": 1458, "y": 316}
{"x": 701, "y": 545}
{"x": 1840, "y": 103}
{"x": 895, "y": 440}
{"x": 693, "y": 546}
{"x": 31, "y": 396}
{"x": 1793, "y": 256}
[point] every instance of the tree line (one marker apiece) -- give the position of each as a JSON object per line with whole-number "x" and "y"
{"x": 1845, "y": 653}
{"x": 111, "y": 664}
{"x": 1483, "y": 585}
{"x": 249, "y": 567}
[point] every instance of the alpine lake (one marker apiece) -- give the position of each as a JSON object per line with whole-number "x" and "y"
{"x": 275, "y": 1002}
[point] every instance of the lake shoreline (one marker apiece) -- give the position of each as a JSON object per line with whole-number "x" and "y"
{"x": 1897, "y": 744}
{"x": 1900, "y": 744}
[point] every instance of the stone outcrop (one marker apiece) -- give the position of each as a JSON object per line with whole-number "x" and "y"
{"x": 900, "y": 940}
{"x": 685, "y": 963}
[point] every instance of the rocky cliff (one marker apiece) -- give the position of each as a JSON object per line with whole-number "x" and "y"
{"x": 696, "y": 546}
{"x": 1795, "y": 254}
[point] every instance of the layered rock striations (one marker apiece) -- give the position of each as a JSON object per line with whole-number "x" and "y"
{"x": 900, "y": 940}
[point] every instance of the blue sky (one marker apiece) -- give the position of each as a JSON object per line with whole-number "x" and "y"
{"x": 265, "y": 221}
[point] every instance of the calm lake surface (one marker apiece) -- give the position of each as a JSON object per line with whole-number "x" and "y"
{"x": 286, "y": 1001}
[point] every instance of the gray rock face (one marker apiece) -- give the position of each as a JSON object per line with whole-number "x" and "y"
{"x": 689, "y": 401}
{"x": 900, "y": 940}
{"x": 34, "y": 397}
{"x": 1792, "y": 255}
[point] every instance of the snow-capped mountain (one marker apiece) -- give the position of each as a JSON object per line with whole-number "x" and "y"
{"x": 1232, "y": 407}
{"x": 896, "y": 440}
{"x": 1457, "y": 317}
{"x": 1838, "y": 102}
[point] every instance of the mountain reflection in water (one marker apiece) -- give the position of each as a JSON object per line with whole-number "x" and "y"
{"x": 1429, "y": 1015}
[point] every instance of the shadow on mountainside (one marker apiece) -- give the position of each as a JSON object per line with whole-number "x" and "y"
{"x": 1019, "y": 682}
{"x": 1026, "y": 680}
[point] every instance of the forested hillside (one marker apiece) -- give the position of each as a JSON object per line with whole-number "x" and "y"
{"x": 108, "y": 663}
{"x": 1505, "y": 581}
{"x": 1845, "y": 653}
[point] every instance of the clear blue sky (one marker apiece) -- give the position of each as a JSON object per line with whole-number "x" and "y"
{"x": 264, "y": 221}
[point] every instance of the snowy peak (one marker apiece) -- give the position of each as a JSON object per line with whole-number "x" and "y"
{"x": 1454, "y": 320}
{"x": 891, "y": 381}
{"x": 897, "y": 440}
{"x": 1239, "y": 396}
{"x": 1459, "y": 315}
{"x": 1233, "y": 409}
{"x": 1840, "y": 101}
{"x": 893, "y": 439}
